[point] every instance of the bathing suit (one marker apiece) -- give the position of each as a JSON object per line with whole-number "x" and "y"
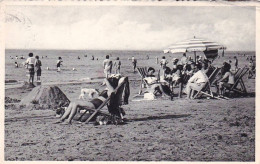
{"x": 97, "y": 101}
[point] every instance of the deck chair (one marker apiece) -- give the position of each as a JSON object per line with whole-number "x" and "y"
{"x": 143, "y": 73}
{"x": 239, "y": 81}
{"x": 113, "y": 97}
{"x": 206, "y": 89}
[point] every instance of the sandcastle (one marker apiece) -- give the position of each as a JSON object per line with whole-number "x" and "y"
{"x": 45, "y": 97}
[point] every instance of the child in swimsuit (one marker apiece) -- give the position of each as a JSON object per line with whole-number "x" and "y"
{"x": 59, "y": 64}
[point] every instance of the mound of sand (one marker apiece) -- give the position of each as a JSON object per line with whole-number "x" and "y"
{"x": 45, "y": 97}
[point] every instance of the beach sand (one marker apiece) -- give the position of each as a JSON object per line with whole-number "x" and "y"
{"x": 159, "y": 130}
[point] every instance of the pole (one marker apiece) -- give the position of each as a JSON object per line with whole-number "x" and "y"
{"x": 195, "y": 56}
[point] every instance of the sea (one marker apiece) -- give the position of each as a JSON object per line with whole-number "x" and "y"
{"x": 78, "y": 64}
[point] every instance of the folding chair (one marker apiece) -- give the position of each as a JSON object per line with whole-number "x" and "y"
{"x": 239, "y": 80}
{"x": 143, "y": 73}
{"x": 113, "y": 97}
{"x": 206, "y": 89}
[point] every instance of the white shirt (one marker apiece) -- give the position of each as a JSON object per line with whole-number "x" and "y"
{"x": 107, "y": 63}
{"x": 30, "y": 60}
{"x": 199, "y": 77}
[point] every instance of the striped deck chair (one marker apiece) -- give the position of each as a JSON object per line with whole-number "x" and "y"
{"x": 143, "y": 73}
{"x": 239, "y": 81}
{"x": 206, "y": 89}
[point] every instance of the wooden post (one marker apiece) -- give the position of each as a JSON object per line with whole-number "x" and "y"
{"x": 195, "y": 56}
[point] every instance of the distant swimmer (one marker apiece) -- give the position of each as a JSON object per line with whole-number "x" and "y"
{"x": 93, "y": 58}
{"x": 16, "y": 64}
{"x": 74, "y": 69}
{"x": 107, "y": 65}
{"x": 147, "y": 57}
{"x": 78, "y": 57}
{"x": 59, "y": 64}
{"x": 97, "y": 58}
{"x": 85, "y": 55}
{"x": 22, "y": 57}
{"x": 16, "y": 57}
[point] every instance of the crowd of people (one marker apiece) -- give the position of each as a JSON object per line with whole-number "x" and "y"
{"x": 185, "y": 72}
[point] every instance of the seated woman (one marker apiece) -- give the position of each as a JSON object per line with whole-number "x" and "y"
{"x": 227, "y": 81}
{"x": 177, "y": 75}
{"x": 196, "y": 81}
{"x": 161, "y": 86}
{"x": 150, "y": 77}
{"x": 73, "y": 107}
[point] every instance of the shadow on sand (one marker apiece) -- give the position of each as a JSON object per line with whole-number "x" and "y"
{"x": 159, "y": 117}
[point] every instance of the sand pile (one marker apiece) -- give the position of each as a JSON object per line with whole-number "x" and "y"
{"x": 45, "y": 97}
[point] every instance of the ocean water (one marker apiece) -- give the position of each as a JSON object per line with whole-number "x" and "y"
{"x": 87, "y": 68}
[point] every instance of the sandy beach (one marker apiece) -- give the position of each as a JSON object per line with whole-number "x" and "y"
{"x": 158, "y": 130}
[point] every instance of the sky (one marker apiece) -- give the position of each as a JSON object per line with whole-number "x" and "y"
{"x": 127, "y": 27}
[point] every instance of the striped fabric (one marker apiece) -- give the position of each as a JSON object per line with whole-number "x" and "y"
{"x": 192, "y": 45}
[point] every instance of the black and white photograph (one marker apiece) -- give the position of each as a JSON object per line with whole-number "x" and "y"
{"x": 130, "y": 83}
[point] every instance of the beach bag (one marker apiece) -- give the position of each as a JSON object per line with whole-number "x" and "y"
{"x": 149, "y": 96}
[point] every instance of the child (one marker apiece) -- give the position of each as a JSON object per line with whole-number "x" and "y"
{"x": 16, "y": 64}
{"x": 59, "y": 64}
{"x": 38, "y": 69}
{"x": 134, "y": 62}
{"x": 117, "y": 65}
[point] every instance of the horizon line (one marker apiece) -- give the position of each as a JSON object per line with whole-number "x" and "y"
{"x": 103, "y": 49}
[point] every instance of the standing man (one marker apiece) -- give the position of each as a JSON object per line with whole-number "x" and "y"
{"x": 184, "y": 59}
{"x": 107, "y": 65}
{"x": 236, "y": 63}
{"x": 134, "y": 62}
{"x": 30, "y": 65}
{"x": 163, "y": 62}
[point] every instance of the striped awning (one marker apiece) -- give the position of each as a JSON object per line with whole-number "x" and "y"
{"x": 193, "y": 45}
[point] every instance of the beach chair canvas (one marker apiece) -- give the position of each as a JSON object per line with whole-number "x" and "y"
{"x": 239, "y": 81}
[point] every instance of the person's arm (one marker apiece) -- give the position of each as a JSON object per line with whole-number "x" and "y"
{"x": 224, "y": 77}
{"x": 192, "y": 79}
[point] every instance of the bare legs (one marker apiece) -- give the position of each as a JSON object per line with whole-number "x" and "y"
{"x": 73, "y": 109}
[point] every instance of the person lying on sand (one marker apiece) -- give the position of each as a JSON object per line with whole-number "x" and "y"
{"x": 73, "y": 107}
